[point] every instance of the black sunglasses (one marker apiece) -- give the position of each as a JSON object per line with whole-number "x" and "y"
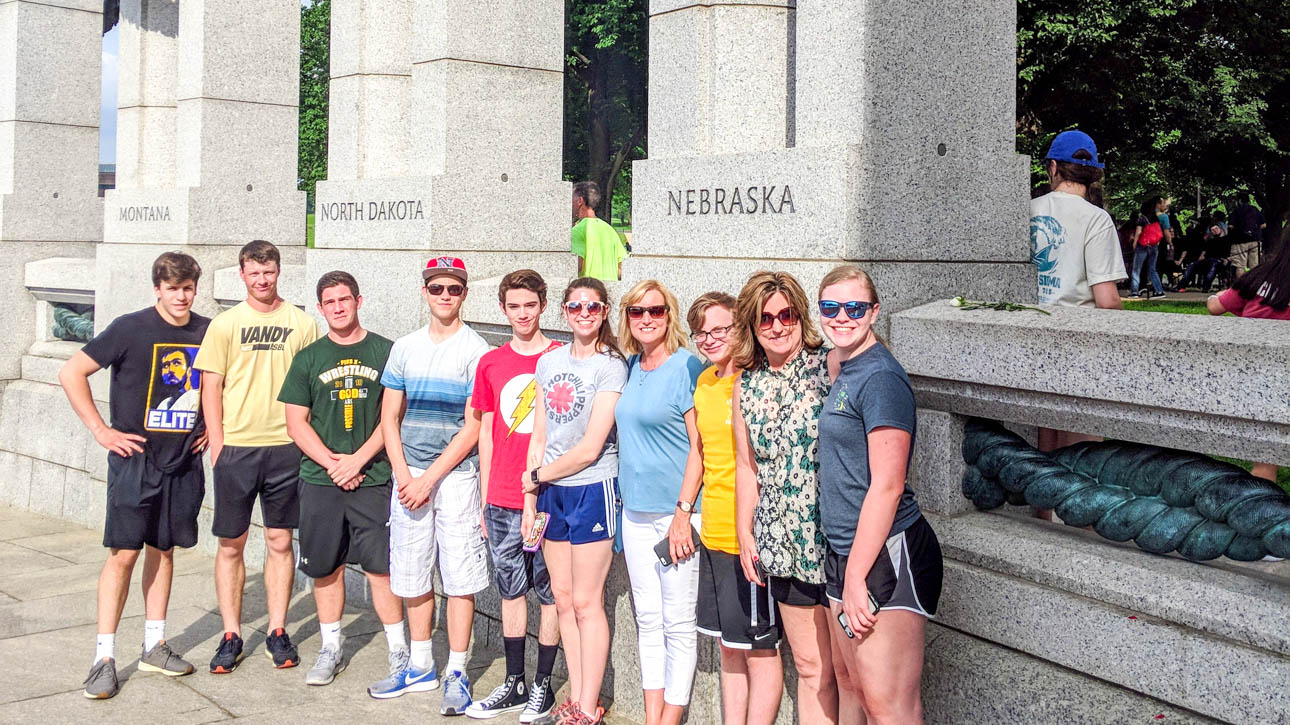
{"x": 593, "y": 307}
{"x": 656, "y": 311}
{"x": 855, "y": 309}
{"x": 787, "y": 317}
{"x": 453, "y": 289}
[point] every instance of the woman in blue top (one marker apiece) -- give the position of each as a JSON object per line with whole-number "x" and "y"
{"x": 883, "y": 568}
{"x": 659, "y": 472}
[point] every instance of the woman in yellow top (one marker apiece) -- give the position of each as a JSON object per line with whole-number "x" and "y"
{"x": 738, "y": 612}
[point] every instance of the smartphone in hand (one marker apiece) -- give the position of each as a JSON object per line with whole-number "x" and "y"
{"x": 534, "y": 540}
{"x": 846, "y": 626}
{"x": 663, "y": 549}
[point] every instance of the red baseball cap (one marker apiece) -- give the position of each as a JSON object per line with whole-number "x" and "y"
{"x": 445, "y": 265}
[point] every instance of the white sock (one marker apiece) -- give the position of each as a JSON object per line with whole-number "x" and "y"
{"x": 456, "y": 661}
{"x": 105, "y": 646}
{"x": 421, "y": 654}
{"x": 154, "y": 630}
{"x": 330, "y": 633}
{"x": 394, "y": 636}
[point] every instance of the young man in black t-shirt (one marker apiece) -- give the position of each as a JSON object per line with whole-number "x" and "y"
{"x": 155, "y": 480}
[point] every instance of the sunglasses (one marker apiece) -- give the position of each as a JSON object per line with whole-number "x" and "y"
{"x": 593, "y": 307}
{"x": 716, "y": 333}
{"x": 656, "y": 311}
{"x": 437, "y": 289}
{"x": 855, "y": 310}
{"x": 787, "y": 317}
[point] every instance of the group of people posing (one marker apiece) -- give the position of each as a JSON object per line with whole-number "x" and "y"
{"x": 756, "y": 491}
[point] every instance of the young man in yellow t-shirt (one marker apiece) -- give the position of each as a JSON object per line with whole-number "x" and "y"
{"x": 599, "y": 249}
{"x": 245, "y": 357}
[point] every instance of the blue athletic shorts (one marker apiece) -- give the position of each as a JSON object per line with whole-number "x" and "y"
{"x": 581, "y": 514}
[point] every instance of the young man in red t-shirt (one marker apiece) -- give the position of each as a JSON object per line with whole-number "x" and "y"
{"x": 505, "y": 391}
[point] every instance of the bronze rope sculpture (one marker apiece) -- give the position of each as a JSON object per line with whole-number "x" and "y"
{"x": 1164, "y": 500}
{"x": 72, "y": 325}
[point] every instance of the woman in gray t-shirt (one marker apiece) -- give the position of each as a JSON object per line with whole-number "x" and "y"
{"x": 573, "y": 479}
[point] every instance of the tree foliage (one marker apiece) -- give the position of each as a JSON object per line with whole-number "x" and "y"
{"x": 605, "y": 93}
{"x": 1176, "y": 92}
{"x": 315, "y": 74}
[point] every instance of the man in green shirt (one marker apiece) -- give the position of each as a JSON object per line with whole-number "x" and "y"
{"x": 333, "y": 398}
{"x": 599, "y": 249}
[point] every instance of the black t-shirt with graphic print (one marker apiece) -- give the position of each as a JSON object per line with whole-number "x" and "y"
{"x": 155, "y": 391}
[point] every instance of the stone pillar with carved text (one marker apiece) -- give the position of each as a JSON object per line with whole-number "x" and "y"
{"x": 50, "y": 71}
{"x": 209, "y": 128}
{"x": 881, "y": 134}
{"x": 445, "y": 138}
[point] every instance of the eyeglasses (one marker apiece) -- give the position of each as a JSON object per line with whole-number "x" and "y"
{"x": 855, "y": 309}
{"x": 437, "y": 289}
{"x": 716, "y": 333}
{"x": 593, "y": 307}
{"x": 787, "y": 317}
{"x": 656, "y": 311}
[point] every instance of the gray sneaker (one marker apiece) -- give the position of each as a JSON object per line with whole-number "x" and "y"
{"x": 164, "y": 660}
{"x": 102, "y": 682}
{"x": 456, "y": 694}
{"x": 331, "y": 662}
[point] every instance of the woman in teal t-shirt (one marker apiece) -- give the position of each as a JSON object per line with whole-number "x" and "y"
{"x": 659, "y": 472}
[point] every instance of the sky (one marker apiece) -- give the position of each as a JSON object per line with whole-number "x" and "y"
{"x": 107, "y": 104}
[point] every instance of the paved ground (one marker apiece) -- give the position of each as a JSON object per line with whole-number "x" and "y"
{"x": 48, "y": 575}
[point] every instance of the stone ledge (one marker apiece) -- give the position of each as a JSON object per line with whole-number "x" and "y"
{"x": 1213, "y": 676}
{"x": 1096, "y": 355}
{"x": 969, "y": 680}
{"x": 1244, "y": 602}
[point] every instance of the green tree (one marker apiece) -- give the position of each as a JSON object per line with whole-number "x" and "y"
{"x": 605, "y": 93}
{"x": 1176, "y": 92}
{"x": 315, "y": 74}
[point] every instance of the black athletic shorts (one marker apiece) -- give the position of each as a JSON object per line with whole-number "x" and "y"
{"x": 241, "y": 473}
{"x": 906, "y": 575}
{"x": 344, "y": 527}
{"x": 795, "y": 592}
{"x": 738, "y": 612}
{"x": 148, "y": 506}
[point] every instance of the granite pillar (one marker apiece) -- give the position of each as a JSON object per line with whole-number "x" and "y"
{"x": 50, "y": 68}
{"x": 208, "y": 132}
{"x": 871, "y": 121}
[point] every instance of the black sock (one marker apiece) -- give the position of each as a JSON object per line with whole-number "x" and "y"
{"x": 546, "y": 660}
{"x": 514, "y": 656}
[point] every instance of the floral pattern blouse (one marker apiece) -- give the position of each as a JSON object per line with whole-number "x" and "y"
{"x": 782, "y": 411}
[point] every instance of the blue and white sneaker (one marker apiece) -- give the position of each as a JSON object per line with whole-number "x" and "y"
{"x": 456, "y": 694}
{"x": 403, "y": 678}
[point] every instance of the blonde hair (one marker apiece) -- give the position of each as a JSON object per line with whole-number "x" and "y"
{"x": 700, "y": 307}
{"x": 745, "y": 350}
{"x": 674, "y": 339}
{"x": 845, "y": 272}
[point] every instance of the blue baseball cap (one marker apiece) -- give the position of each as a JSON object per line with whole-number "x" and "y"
{"x": 1067, "y": 143}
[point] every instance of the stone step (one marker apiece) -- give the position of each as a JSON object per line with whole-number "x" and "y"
{"x": 1214, "y": 676}
{"x": 969, "y": 680}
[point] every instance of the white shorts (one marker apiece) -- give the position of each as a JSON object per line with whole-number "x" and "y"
{"x": 446, "y": 528}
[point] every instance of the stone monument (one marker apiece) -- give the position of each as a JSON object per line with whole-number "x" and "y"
{"x": 444, "y": 138}
{"x": 50, "y": 68}
{"x": 882, "y": 133}
{"x": 206, "y": 139}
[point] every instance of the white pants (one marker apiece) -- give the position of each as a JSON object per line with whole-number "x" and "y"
{"x": 665, "y": 598}
{"x": 445, "y": 529}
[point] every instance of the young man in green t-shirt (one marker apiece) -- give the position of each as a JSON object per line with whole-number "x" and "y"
{"x": 599, "y": 249}
{"x": 333, "y": 398}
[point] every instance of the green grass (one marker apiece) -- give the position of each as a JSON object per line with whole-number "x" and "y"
{"x": 309, "y": 231}
{"x": 1176, "y": 306}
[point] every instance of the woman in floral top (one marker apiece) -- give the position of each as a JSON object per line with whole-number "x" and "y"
{"x": 777, "y": 401}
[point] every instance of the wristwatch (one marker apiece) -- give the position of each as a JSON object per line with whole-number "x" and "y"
{"x": 534, "y": 477}
{"x": 685, "y": 506}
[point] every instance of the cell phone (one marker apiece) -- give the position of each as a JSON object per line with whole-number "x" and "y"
{"x": 534, "y": 540}
{"x": 761, "y": 571}
{"x": 846, "y": 626}
{"x": 663, "y": 549}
